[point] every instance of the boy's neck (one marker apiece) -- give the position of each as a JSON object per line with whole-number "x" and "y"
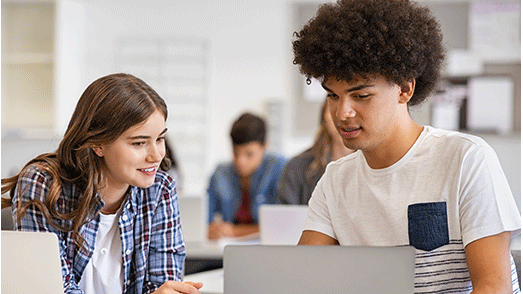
{"x": 402, "y": 139}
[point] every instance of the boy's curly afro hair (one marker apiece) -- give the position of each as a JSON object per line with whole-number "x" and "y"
{"x": 398, "y": 39}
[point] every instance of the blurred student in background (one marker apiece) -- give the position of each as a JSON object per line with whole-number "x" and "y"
{"x": 302, "y": 172}
{"x": 238, "y": 188}
{"x": 102, "y": 193}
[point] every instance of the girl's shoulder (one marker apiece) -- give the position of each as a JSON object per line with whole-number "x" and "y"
{"x": 163, "y": 182}
{"x": 36, "y": 172}
{"x": 163, "y": 188}
{"x": 34, "y": 183}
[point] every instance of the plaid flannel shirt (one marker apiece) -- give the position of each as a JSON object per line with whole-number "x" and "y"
{"x": 153, "y": 249}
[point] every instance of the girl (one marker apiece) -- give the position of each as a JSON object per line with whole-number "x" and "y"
{"x": 102, "y": 193}
{"x": 302, "y": 172}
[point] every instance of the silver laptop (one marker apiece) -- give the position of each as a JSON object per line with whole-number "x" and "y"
{"x": 281, "y": 224}
{"x": 30, "y": 263}
{"x": 193, "y": 216}
{"x": 318, "y": 269}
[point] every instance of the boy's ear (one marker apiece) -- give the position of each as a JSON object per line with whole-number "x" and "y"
{"x": 407, "y": 91}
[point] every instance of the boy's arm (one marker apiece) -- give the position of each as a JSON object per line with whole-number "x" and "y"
{"x": 489, "y": 266}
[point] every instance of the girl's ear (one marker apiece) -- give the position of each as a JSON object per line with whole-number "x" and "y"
{"x": 98, "y": 151}
{"x": 407, "y": 91}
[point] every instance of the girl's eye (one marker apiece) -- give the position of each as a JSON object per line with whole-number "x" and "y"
{"x": 138, "y": 143}
{"x": 160, "y": 139}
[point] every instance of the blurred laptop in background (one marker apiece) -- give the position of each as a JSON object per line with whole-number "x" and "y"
{"x": 193, "y": 212}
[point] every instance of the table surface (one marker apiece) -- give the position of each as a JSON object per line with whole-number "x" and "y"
{"x": 214, "y": 249}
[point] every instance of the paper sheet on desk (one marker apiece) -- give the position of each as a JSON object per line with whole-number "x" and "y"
{"x": 212, "y": 281}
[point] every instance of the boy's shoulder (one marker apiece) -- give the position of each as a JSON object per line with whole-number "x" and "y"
{"x": 452, "y": 138}
{"x": 273, "y": 156}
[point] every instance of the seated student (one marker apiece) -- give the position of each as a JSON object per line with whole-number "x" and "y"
{"x": 115, "y": 213}
{"x": 236, "y": 189}
{"x": 442, "y": 192}
{"x": 302, "y": 172}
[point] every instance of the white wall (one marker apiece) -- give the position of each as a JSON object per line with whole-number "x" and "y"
{"x": 70, "y": 45}
{"x": 250, "y": 50}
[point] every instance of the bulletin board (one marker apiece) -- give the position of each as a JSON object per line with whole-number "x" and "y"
{"x": 495, "y": 30}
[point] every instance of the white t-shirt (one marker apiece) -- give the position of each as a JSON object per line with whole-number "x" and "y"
{"x": 447, "y": 191}
{"x": 104, "y": 272}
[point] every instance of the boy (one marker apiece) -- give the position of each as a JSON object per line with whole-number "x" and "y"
{"x": 444, "y": 193}
{"x": 238, "y": 188}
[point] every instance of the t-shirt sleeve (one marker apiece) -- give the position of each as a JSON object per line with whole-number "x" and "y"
{"x": 318, "y": 216}
{"x": 487, "y": 206}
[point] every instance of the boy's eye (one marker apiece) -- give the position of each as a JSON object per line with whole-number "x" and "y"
{"x": 363, "y": 96}
{"x": 138, "y": 143}
{"x": 332, "y": 96}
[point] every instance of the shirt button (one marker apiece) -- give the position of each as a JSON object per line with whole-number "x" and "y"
{"x": 128, "y": 206}
{"x": 103, "y": 251}
{"x": 124, "y": 217}
{"x": 128, "y": 252}
{"x": 128, "y": 282}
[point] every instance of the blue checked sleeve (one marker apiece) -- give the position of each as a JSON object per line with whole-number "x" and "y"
{"x": 167, "y": 248}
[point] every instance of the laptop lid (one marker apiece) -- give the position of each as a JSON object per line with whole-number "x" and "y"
{"x": 318, "y": 269}
{"x": 281, "y": 224}
{"x": 193, "y": 216}
{"x": 30, "y": 263}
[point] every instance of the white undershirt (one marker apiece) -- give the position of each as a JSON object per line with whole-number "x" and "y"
{"x": 104, "y": 272}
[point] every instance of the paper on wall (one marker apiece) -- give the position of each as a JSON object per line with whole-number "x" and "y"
{"x": 490, "y": 104}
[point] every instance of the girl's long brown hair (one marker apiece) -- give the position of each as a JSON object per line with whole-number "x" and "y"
{"x": 321, "y": 150}
{"x": 107, "y": 108}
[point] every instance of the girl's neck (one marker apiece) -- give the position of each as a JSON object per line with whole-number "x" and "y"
{"x": 112, "y": 198}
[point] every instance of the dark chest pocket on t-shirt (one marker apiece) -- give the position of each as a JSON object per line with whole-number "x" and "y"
{"x": 428, "y": 225}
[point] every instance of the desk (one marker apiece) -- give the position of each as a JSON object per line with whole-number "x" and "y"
{"x": 208, "y": 255}
{"x": 202, "y": 256}
{"x": 204, "y": 250}
{"x": 214, "y": 249}
{"x": 212, "y": 281}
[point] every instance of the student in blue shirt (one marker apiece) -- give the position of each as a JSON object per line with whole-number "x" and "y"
{"x": 102, "y": 193}
{"x": 238, "y": 188}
